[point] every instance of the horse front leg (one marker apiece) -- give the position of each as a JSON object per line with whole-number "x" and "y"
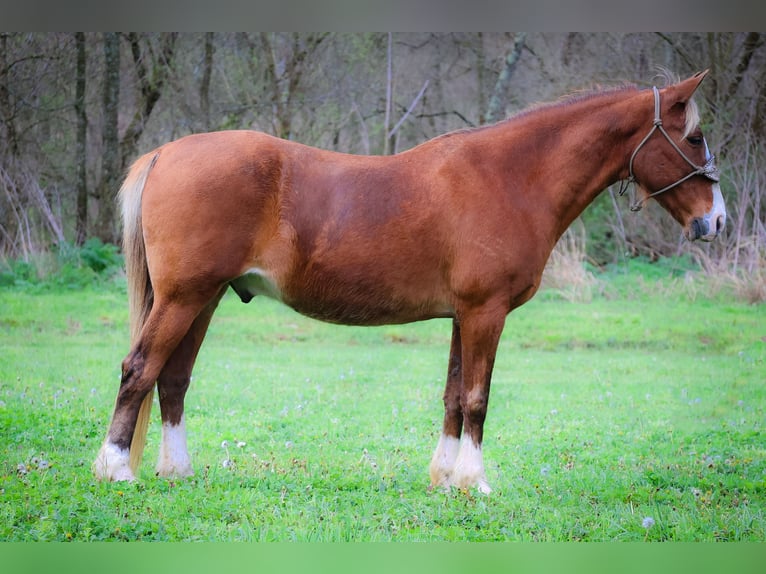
{"x": 480, "y": 334}
{"x": 443, "y": 460}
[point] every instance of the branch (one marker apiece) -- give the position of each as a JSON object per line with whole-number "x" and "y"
{"x": 753, "y": 41}
{"x": 467, "y": 122}
{"x": 679, "y": 50}
{"x": 409, "y": 110}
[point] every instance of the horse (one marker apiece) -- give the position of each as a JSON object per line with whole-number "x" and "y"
{"x": 459, "y": 227}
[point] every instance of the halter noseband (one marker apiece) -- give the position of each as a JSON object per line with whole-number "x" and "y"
{"x": 709, "y": 170}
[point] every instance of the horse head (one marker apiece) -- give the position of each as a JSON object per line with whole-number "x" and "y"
{"x": 673, "y": 164}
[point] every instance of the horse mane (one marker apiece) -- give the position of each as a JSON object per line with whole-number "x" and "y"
{"x": 563, "y": 101}
{"x": 577, "y": 96}
{"x": 665, "y": 77}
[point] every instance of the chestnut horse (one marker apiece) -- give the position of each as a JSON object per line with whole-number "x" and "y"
{"x": 458, "y": 227}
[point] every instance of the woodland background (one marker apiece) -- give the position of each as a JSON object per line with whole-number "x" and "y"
{"x": 77, "y": 108}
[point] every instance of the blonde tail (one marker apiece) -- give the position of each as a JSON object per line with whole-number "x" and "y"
{"x": 140, "y": 293}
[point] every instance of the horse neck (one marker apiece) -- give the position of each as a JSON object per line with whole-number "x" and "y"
{"x": 570, "y": 152}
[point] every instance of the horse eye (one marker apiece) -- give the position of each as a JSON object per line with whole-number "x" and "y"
{"x": 695, "y": 140}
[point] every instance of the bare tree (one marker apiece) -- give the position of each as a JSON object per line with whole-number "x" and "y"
{"x": 7, "y": 112}
{"x": 81, "y": 224}
{"x": 111, "y": 167}
{"x": 286, "y": 60}
{"x": 204, "y": 86}
{"x": 152, "y": 63}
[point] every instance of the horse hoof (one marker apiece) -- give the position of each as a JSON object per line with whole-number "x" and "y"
{"x": 175, "y": 472}
{"x": 112, "y": 465}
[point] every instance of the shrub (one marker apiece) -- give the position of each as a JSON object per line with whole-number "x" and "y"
{"x": 68, "y": 266}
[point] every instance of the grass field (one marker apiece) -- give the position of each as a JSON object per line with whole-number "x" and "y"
{"x": 636, "y": 416}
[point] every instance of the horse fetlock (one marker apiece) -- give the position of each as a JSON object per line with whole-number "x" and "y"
{"x": 174, "y": 460}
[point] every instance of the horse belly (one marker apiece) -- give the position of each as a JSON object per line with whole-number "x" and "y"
{"x": 369, "y": 312}
{"x": 364, "y": 298}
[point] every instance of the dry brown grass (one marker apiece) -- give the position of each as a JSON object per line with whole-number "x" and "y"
{"x": 743, "y": 276}
{"x": 565, "y": 273}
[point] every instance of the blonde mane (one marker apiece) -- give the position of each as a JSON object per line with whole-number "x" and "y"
{"x": 667, "y": 78}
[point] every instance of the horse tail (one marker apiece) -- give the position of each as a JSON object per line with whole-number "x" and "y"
{"x": 140, "y": 292}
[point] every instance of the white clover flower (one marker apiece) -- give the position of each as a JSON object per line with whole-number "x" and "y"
{"x": 240, "y": 444}
{"x": 647, "y": 522}
{"x": 225, "y": 444}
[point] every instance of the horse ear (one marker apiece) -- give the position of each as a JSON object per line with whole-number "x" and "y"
{"x": 682, "y": 92}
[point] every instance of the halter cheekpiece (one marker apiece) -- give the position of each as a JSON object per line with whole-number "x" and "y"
{"x": 709, "y": 170}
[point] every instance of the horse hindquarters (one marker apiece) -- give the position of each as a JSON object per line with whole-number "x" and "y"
{"x": 169, "y": 317}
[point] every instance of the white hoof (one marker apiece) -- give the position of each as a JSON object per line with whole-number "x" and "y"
{"x": 112, "y": 464}
{"x": 469, "y": 467}
{"x": 483, "y": 487}
{"x": 443, "y": 462}
{"x": 173, "y": 472}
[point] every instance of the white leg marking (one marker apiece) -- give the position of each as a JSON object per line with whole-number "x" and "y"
{"x": 174, "y": 458}
{"x": 469, "y": 467}
{"x": 112, "y": 463}
{"x": 443, "y": 461}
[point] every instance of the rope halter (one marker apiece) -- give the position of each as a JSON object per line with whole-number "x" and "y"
{"x": 709, "y": 170}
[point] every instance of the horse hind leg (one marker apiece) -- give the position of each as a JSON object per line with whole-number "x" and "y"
{"x": 443, "y": 460}
{"x": 164, "y": 329}
{"x": 172, "y": 384}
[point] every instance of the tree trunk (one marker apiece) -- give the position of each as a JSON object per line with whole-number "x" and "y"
{"x": 6, "y": 110}
{"x": 110, "y": 167}
{"x": 204, "y": 87}
{"x": 497, "y": 102}
{"x": 151, "y": 80}
{"x": 81, "y": 224}
{"x": 481, "y": 65}
{"x": 388, "y": 142}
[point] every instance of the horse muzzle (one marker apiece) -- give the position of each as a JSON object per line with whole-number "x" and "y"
{"x": 710, "y": 225}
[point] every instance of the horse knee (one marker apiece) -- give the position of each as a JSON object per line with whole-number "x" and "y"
{"x": 474, "y": 406}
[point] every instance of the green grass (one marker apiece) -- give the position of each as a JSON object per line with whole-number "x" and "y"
{"x": 640, "y": 403}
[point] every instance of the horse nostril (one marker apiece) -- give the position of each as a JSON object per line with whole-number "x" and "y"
{"x": 719, "y": 223}
{"x": 696, "y": 229}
